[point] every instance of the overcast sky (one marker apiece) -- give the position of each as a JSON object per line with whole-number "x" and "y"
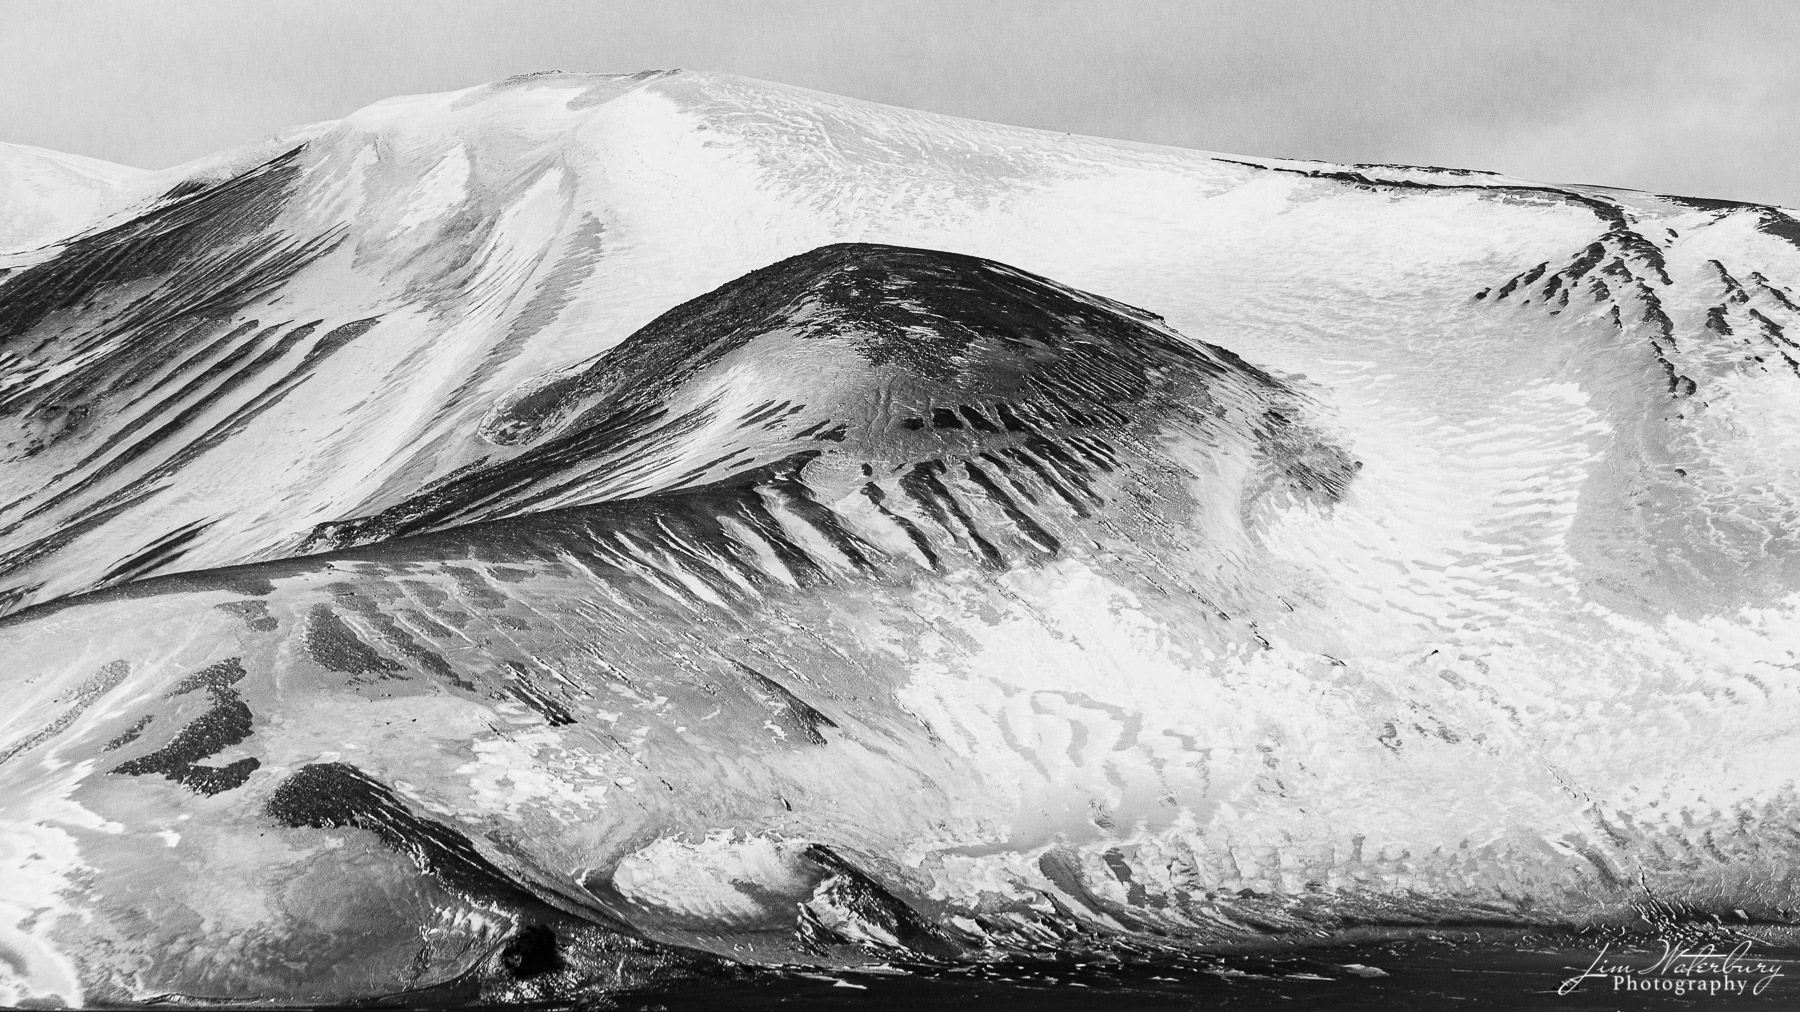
{"x": 1700, "y": 97}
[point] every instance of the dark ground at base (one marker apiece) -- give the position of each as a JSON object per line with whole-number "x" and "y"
{"x": 1418, "y": 975}
{"x": 1421, "y": 974}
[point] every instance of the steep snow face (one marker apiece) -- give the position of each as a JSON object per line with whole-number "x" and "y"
{"x": 1423, "y": 552}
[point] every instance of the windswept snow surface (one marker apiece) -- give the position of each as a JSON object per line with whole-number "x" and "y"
{"x": 47, "y": 195}
{"x": 540, "y": 539}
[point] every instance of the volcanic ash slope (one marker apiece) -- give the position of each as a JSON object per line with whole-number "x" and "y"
{"x": 406, "y": 600}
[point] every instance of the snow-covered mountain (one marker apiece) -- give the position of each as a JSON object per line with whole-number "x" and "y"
{"x": 546, "y": 537}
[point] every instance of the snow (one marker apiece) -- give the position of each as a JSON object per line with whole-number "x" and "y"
{"x": 47, "y": 195}
{"x": 1550, "y": 627}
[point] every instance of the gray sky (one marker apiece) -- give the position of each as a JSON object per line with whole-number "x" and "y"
{"x": 1700, "y": 97}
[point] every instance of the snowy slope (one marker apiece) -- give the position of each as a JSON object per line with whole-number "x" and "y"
{"x": 712, "y": 565}
{"x": 47, "y": 195}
